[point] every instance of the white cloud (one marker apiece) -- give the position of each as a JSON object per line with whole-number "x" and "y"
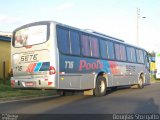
{"x": 116, "y": 26}
{"x": 5, "y": 19}
{"x": 64, "y": 7}
{"x": 9, "y": 23}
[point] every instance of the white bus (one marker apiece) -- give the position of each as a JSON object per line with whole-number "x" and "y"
{"x": 51, "y": 55}
{"x": 157, "y": 61}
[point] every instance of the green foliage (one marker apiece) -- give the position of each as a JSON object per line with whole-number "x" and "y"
{"x": 153, "y": 79}
{"x": 152, "y": 54}
{"x": 6, "y": 92}
{"x": 5, "y": 87}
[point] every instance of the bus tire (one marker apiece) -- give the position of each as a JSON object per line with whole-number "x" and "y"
{"x": 101, "y": 87}
{"x": 140, "y": 83}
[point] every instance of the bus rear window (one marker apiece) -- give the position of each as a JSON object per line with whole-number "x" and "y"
{"x": 30, "y": 36}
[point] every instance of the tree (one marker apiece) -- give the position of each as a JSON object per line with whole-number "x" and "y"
{"x": 152, "y": 54}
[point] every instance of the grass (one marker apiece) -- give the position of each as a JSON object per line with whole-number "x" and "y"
{"x": 153, "y": 79}
{"x": 5, "y": 87}
{"x": 6, "y": 92}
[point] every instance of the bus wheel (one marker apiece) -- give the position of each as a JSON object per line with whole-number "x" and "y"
{"x": 100, "y": 89}
{"x": 140, "y": 83}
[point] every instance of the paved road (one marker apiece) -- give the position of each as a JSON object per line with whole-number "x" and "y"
{"x": 146, "y": 100}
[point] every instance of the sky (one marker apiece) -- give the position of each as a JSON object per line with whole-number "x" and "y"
{"x": 117, "y": 18}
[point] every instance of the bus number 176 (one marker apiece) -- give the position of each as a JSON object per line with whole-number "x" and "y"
{"x": 19, "y": 68}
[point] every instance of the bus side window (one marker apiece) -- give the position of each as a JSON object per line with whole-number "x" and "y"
{"x": 94, "y": 47}
{"x": 85, "y": 44}
{"x": 123, "y": 52}
{"x": 147, "y": 64}
{"x": 120, "y": 52}
{"x": 140, "y": 57}
{"x": 63, "y": 40}
{"x": 131, "y": 54}
{"x": 110, "y": 50}
{"x": 75, "y": 44}
{"x": 117, "y": 51}
{"x": 104, "y": 49}
{"x": 107, "y": 49}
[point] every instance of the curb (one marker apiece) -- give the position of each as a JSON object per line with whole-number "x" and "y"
{"x": 153, "y": 82}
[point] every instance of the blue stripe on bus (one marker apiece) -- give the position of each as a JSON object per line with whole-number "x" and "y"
{"x": 45, "y": 66}
{"x": 38, "y": 66}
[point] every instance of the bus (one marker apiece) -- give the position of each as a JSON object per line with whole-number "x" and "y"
{"x": 52, "y": 55}
{"x": 157, "y": 64}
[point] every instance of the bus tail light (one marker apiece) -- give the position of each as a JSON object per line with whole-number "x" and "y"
{"x": 50, "y": 83}
{"x": 52, "y": 70}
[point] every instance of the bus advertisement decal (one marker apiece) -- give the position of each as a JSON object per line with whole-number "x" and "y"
{"x": 31, "y": 67}
{"x": 45, "y": 66}
{"x": 114, "y": 67}
{"x": 40, "y": 66}
{"x": 90, "y": 66}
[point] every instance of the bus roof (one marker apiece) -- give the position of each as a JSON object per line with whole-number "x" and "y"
{"x": 95, "y": 33}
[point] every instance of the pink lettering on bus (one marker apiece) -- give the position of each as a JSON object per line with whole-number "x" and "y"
{"x": 90, "y": 66}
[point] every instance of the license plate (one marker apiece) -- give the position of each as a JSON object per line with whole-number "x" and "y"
{"x": 30, "y": 84}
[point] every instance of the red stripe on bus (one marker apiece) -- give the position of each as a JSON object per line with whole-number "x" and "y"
{"x": 28, "y": 68}
{"x": 31, "y": 67}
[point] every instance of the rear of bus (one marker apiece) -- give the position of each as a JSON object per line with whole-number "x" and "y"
{"x": 34, "y": 56}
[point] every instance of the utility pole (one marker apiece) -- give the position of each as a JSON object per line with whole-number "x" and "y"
{"x": 138, "y": 16}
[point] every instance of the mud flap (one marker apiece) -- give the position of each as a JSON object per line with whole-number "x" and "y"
{"x": 88, "y": 92}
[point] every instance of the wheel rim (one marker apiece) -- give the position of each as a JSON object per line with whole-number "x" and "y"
{"x": 140, "y": 82}
{"x": 102, "y": 86}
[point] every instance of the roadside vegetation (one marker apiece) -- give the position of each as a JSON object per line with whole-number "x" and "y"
{"x": 153, "y": 79}
{"x": 7, "y": 93}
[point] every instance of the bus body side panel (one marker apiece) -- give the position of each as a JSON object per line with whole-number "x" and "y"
{"x": 72, "y": 76}
{"x": 80, "y": 73}
{"x": 128, "y": 74}
{"x": 147, "y": 77}
{"x": 123, "y": 73}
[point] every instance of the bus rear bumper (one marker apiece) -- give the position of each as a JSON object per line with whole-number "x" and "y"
{"x": 34, "y": 83}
